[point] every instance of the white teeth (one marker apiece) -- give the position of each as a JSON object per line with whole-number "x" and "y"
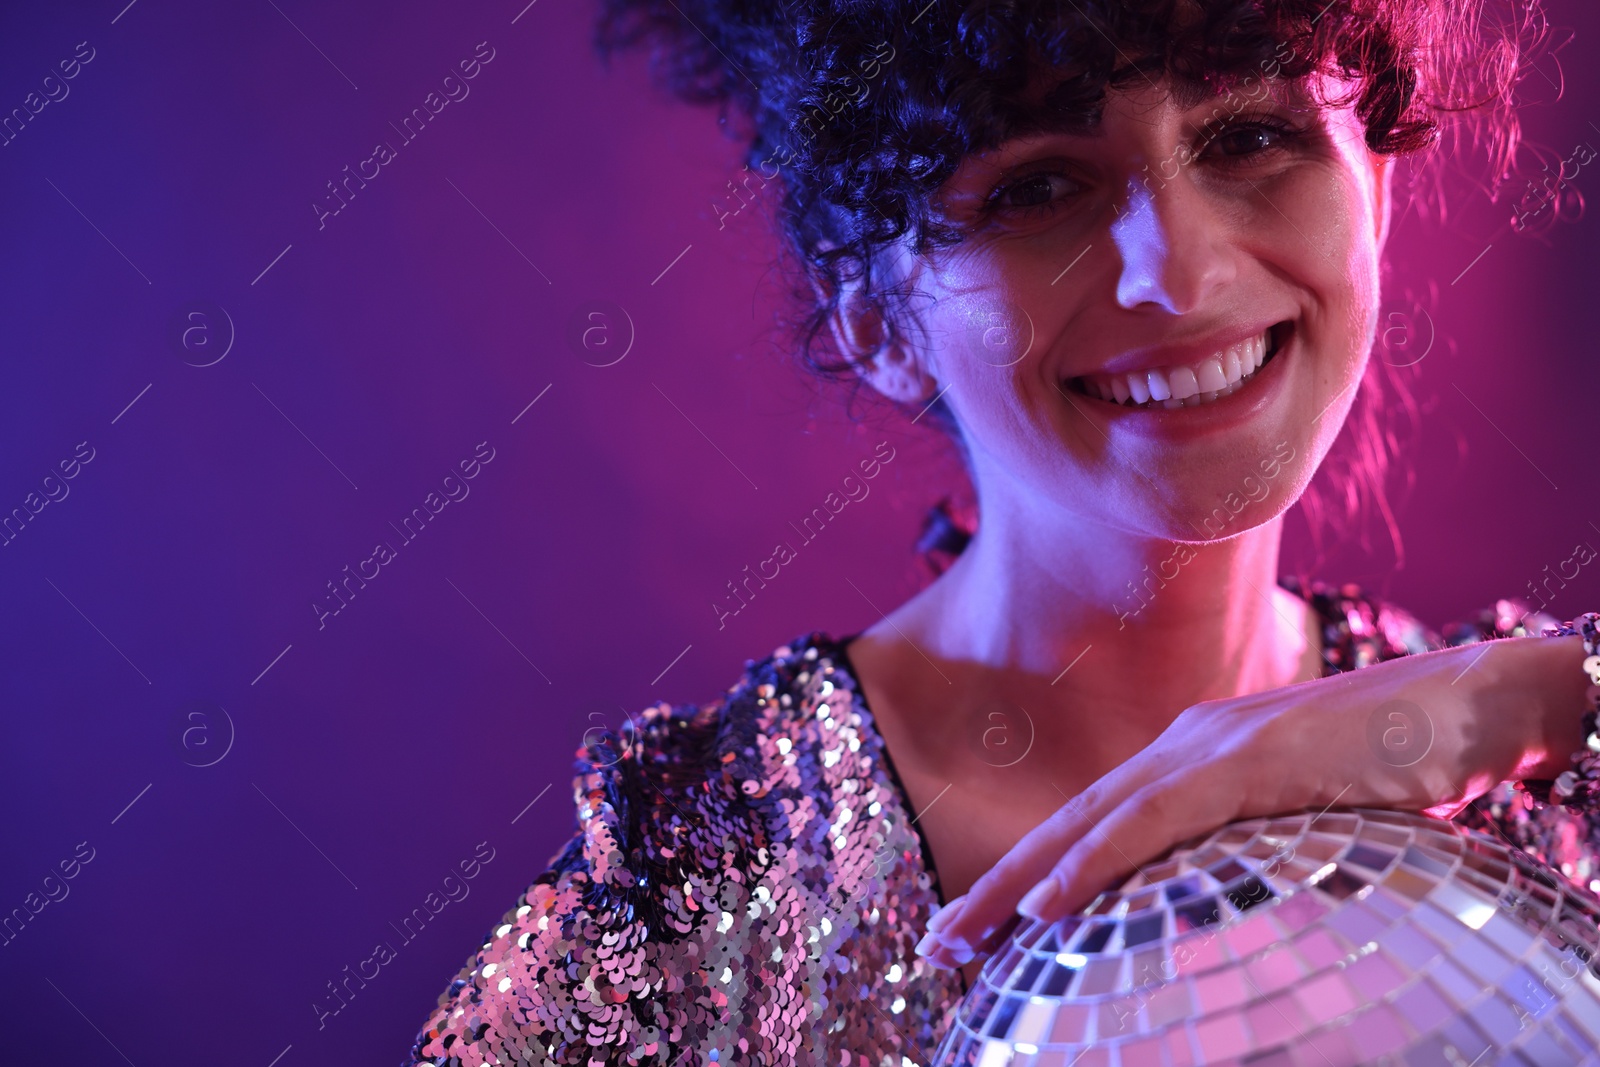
{"x": 1183, "y": 383}
{"x": 1230, "y": 365}
{"x": 1212, "y": 378}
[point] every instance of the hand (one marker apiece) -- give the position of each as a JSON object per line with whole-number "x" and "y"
{"x": 1429, "y": 732}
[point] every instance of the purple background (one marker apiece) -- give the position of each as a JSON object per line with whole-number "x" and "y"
{"x": 371, "y": 756}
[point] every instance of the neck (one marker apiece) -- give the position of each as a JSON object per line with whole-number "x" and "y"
{"x": 1147, "y": 627}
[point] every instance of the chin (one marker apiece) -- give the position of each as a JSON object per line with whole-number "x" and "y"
{"x": 1230, "y": 500}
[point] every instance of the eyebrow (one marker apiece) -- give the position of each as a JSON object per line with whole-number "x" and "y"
{"x": 1041, "y": 120}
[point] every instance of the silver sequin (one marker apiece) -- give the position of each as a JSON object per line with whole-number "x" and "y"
{"x": 745, "y": 885}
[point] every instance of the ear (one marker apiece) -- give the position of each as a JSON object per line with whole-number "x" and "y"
{"x": 1383, "y": 175}
{"x": 890, "y": 365}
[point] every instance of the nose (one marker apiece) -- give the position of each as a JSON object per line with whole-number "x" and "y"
{"x": 1171, "y": 246}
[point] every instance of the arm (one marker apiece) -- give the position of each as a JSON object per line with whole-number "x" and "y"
{"x": 1566, "y": 838}
{"x": 1487, "y": 713}
{"x": 1549, "y": 672}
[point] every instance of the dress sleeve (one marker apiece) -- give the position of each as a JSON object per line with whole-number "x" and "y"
{"x": 1512, "y": 617}
{"x": 1567, "y": 840}
{"x": 551, "y": 983}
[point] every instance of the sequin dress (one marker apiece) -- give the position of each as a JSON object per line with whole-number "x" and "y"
{"x": 745, "y": 885}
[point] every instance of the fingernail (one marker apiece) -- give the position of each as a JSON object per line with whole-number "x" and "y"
{"x": 943, "y": 954}
{"x": 1039, "y": 898}
{"x": 958, "y": 950}
{"x": 946, "y": 914}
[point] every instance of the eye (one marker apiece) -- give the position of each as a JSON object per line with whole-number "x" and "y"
{"x": 1251, "y": 140}
{"x": 1028, "y": 195}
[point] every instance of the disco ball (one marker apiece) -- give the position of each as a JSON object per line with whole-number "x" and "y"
{"x": 1352, "y": 936}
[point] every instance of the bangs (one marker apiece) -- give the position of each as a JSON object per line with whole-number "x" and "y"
{"x": 1051, "y": 72}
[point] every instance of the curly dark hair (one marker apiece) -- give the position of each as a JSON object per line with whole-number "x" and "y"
{"x": 864, "y": 108}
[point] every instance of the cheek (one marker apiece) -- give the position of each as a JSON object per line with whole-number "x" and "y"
{"x": 986, "y": 346}
{"x": 1348, "y": 264}
{"x": 1353, "y": 299}
{"x": 1324, "y": 244}
{"x": 996, "y": 414}
{"x": 981, "y": 329}
{"x": 1355, "y": 287}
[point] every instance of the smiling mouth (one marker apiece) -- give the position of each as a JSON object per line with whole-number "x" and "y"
{"x": 1190, "y": 385}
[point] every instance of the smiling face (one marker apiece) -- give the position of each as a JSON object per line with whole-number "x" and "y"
{"x": 1160, "y": 318}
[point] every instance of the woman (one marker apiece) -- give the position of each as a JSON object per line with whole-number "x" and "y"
{"x": 1128, "y": 255}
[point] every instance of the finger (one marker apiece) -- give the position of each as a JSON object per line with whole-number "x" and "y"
{"x": 941, "y": 956}
{"x": 946, "y": 958}
{"x": 992, "y": 943}
{"x": 942, "y": 917}
{"x": 992, "y": 899}
{"x": 1141, "y": 829}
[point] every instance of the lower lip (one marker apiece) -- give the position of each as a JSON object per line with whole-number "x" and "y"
{"x": 1259, "y": 392}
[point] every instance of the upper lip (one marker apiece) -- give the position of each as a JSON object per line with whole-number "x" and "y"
{"x": 1185, "y": 353}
